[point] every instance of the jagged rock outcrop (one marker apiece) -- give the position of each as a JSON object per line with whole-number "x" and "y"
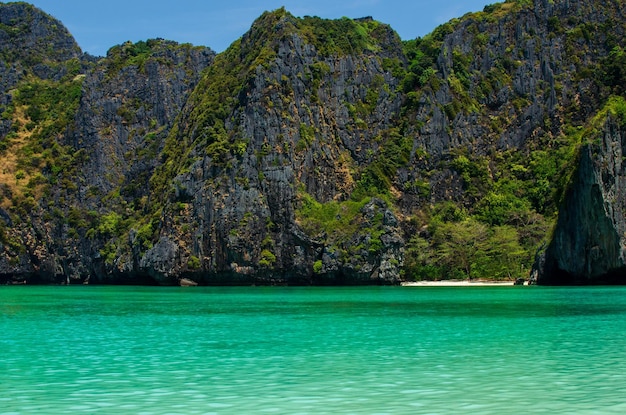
{"x": 588, "y": 244}
{"x": 128, "y": 103}
{"x": 292, "y": 126}
{"x": 509, "y": 80}
{"x": 126, "y": 111}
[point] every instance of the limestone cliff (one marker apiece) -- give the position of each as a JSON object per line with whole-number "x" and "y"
{"x": 316, "y": 151}
{"x": 30, "y": 42}
{"x": 588, "y": 244}
{"x": 283, "y": 133}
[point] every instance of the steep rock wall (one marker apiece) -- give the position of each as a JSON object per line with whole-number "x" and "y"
{"x": 506, "y": 83}
{"x": 588, "y": 244}
{"x": 27, "y": 34}
{"x": 235, "y": 210}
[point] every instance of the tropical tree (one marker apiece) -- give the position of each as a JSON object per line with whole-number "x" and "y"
{"x": 461, "y": 246}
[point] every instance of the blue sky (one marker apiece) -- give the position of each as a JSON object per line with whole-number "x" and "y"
{"x": 99, "y": 25}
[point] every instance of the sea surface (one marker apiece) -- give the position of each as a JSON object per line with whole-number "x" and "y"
{"x": 268, "y": 350}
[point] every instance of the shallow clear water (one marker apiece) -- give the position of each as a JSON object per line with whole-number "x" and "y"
{"x": 389, "y": 350}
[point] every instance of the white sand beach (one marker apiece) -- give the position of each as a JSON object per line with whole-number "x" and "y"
{"x": 456, "y": 283}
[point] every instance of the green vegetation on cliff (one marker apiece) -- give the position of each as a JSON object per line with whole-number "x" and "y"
{"x": 40, "y": 113}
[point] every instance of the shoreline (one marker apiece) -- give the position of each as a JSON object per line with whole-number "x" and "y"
{"x": 457, "y": 283}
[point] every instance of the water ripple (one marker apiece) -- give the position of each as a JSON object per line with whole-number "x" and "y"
{"x": 111, "y": 350}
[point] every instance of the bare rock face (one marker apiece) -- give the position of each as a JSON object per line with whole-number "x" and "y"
{"x": 127, "y": 109}
{"x": 589, "y": 242}
{"x": 159, "y": 262}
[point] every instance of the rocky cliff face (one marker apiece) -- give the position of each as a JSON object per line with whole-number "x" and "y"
{"x": 588, "y": 244}
{"x": 128, "y": 106}
{"x": 287, "y": 135}
{"x": 129, "y": 102}
{"x": 102, "y": 157}
{"x": 30, "y": 42}
{"x": 512, "y": 80}
{"x": 314, "y": 151}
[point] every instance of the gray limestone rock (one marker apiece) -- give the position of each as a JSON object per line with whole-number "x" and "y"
{"x": 588, "y": 245}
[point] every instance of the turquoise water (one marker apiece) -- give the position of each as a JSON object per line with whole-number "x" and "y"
{"x": 257, "y": 350}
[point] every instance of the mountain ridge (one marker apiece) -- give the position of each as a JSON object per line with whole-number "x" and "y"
{"x": 314, "y": 151}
